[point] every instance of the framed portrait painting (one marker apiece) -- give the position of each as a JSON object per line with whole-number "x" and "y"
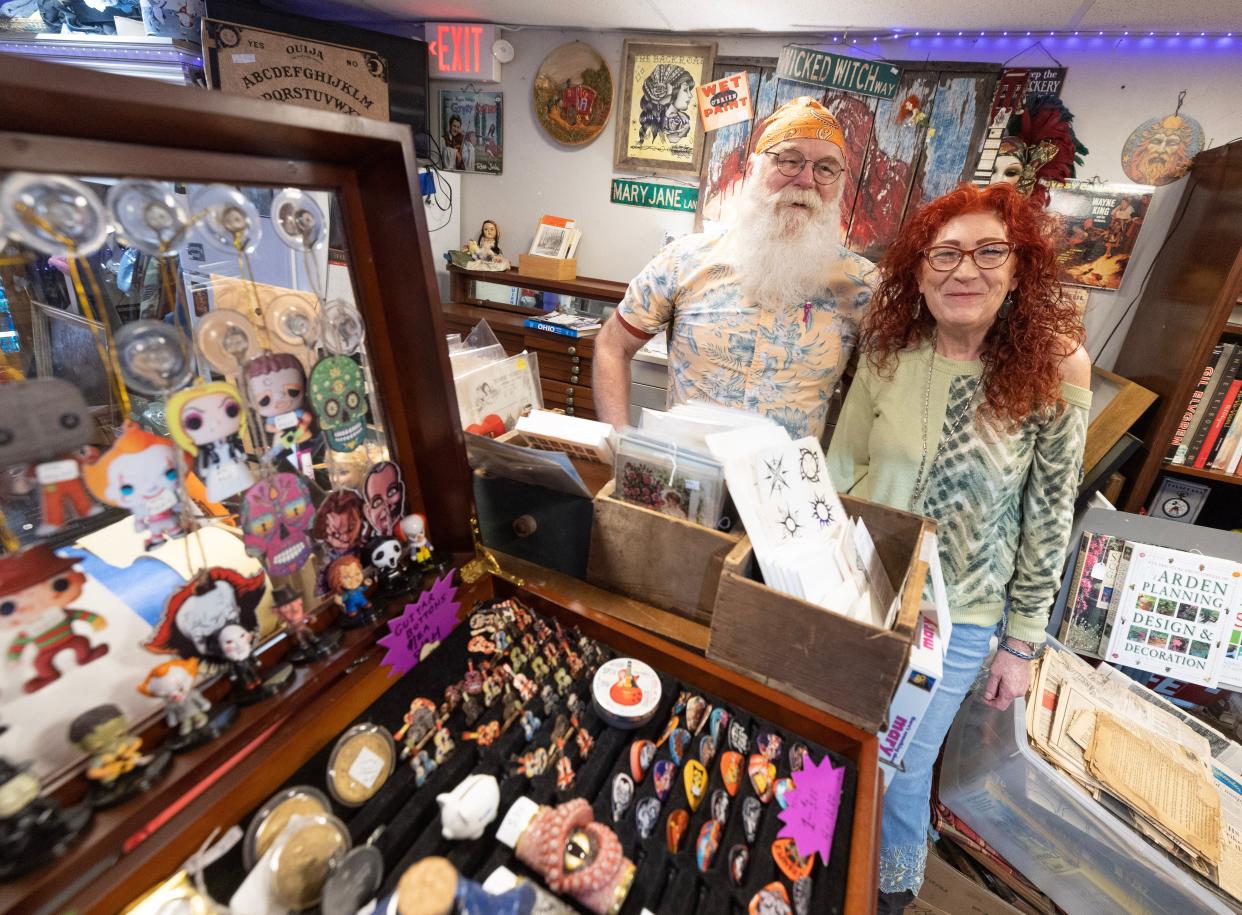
{"x": 658, "y": 126}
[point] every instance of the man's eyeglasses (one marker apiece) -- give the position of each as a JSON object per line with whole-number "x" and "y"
{"x": 790, "y": 162}
{"x": 944, "y": 258}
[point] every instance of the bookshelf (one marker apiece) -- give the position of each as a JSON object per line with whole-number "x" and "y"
{"x": 1190, "y": 302}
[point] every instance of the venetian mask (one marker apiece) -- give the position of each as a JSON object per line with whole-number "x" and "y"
{"x": 41, "y": 418}
{"x": 1019, "y": 164}
{"x": 339, "y": 396}
{"x": 276, "y": 517}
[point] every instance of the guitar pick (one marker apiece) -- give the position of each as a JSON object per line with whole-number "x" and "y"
{"x": 696, "y": 713}
{"x": 675, "y": 829}
{"x": 797, "y": 756}
{"x": 680, "y": 705}
{"x": 739, "y": 857}
{"x": 769, "y": 745}
{"x": 662, "y": 774}
{"x": 731, "y": 770}
{"x": 642, "y": 752}
{"x": 762, "y": 776}
{"x": 646, "y": 815}
{"x": 672, "y": 725}
{"x": 792, "y": 865}
{"x": 720, "y": 806}
{"x": 679, "y": 744}
{"x": 738, "y": 739}
{"x": 771, "y": 900}
{"x": 718, "y": 725}
{"x": 782, "y": 788}
{"x": 751, "y": 811}
{"x": 707, "y": 750}
{"x": 695, "y": 780}
{"x": 802, "y": 896}
{"x": 705, "y": 849}
{"x": 622, "y": 794}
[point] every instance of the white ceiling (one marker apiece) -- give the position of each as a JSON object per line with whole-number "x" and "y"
{"x": 734, "y": 16}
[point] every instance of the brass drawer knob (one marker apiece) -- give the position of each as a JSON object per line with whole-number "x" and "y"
{"x": 575, "y": 360}
{"x": 574, "y": 377}
{"x": 569, "y": 391}
{"x": 572, "y": 350}
{"x": 569, "y": 411}
{"x": 524, "y": 525}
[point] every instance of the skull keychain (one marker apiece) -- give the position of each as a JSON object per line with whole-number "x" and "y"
{"x": 339, "y": 396}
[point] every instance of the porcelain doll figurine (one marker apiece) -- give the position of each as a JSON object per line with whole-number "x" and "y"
{"x": 118, "y": 768}
{"x": 207, "y": 421}
{"x": 276, "y": 388}
{"x": 33, "y": 829}
{"x": 139, "y": 473}
{"x": 349, "y": 583}
{"x": 37, "y": 588}
{"x": 484, "y": 251}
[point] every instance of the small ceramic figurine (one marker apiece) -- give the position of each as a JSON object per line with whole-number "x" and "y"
{"x": 349, "y": 583}
{"x": 466, "y": 811}
{"x": 276, "y": 386}
{"x": 291, "y": 610}
{"x": 185, "y": 708}
{"x": 207, "y": 421}
{"x": 387, "y": 558}
{"x": 118, "y": 768}
{"x": 484, "y": 251}
{"x": 33, "y": 829}
{"x": 412, "y": 531}
{"x": 36, "y": 589}
{"x": 139, "y": 473}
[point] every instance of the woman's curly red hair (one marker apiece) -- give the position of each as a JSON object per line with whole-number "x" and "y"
{"x": 1042, "y": 326}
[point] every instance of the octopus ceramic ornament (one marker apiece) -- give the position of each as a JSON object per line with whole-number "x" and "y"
{"x": 467, "y": 810}
{"x": 276, "y": 518}
{"x": 339, "y": 396}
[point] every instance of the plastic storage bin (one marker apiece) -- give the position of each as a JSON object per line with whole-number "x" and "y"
{"x": 1084, "y": 858}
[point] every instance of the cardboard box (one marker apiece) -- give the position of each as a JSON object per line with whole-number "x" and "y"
{"x": 948, "y": 889}
{"x": 919, "y": 683}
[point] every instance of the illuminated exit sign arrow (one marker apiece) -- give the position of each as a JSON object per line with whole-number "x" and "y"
{"x": 462, "y": 50}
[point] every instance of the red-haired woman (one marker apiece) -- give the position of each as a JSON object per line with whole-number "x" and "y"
{"x": 969, "y": 406}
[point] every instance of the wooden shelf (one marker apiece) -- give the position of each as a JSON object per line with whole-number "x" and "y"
{"x": 1231, "y": 328}
{"x": 1215, "y": 476}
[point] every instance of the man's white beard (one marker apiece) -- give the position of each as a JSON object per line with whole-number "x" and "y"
{"x": 783, "y": 255}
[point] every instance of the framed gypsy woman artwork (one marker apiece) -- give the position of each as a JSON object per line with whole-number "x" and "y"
{"x": 658, "y": 127}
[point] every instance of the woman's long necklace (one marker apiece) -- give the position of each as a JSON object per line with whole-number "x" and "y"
{"x": 920, "y": 483}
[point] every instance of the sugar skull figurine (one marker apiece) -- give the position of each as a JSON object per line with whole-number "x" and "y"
{"x": 339, "y": 396}
{"x": 384, "y": 491}
{"x": 46, "y": 428}
{"x": 290, "y": 609}
{"x": 139, "y": 473}
{"x": 33, "y": 829}
{"x": 207, "y": 421}
{"x": 118, "y": 768}
{"x": 37, "y": 588}
{"x": 349, "y": 583}
{"x": 213, "y": 617}
{"x": 185, "y": 708}
{"x": 276, "y": 388}
{"x": 276, "y": 518}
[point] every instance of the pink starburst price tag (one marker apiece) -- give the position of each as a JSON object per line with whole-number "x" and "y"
{"x": 421, "y": 627}
{"x": 811, "y": 817}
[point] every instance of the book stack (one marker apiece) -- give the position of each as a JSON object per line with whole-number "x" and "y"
{"x": 556, "y": 236}
{"x": 1209, "y": 435}
{"x": 566, "y": 325}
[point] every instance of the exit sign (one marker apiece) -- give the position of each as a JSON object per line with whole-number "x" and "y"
{"x": 462, "y": 50}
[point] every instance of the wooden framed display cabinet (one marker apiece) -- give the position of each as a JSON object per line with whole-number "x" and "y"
{"x": 72, "y": 121}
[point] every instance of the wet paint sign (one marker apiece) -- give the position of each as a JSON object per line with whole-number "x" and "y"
{"x": 832, "y": 71}
{"x": 656, "y": 196}
{"x": 725, "y": 102}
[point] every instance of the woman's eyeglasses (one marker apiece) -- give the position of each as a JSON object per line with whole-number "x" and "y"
{"x": 790, "y": 162}
{"x": 944, "y": 258}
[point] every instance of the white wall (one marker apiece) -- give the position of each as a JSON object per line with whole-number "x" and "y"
{"x": 1111, "y": 88}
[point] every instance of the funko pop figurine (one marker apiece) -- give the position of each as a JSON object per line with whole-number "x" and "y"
{"x": 46, "y": 428}
{"x": 290, "y": 610}
{"x": 349, "y": 583}
{"x": 36, "y": 589}
{"x": 384, "y": 492}
{"x": 213, "y": 618}
{"x": 139, "y": 473}
{"x": 412, "y": 531}
{"x": 33, "y": 829}
{"x": 276, "y": 387}
{"x": 185, "y": 708}
{"x": 339, "y": 526}
{"x": 118, "y": 769}
{"x": 207, "y": 421}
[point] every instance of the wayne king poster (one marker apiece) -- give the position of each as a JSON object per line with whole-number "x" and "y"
{"x": 1100, "y": 224}
{"x": 1176, "y": 610}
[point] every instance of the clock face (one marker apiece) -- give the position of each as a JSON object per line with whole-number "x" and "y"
{"x": 1176, "y": 507}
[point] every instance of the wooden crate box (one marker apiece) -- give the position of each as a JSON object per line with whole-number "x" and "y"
{"x": 841, "y": 665}
{"x": 655, "y": 558}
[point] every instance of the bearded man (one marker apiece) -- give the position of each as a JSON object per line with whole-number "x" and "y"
{"x": 764, "y": 317}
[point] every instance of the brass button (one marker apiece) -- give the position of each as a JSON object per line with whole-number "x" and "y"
{"x": 574, "y": 377}
{"x": 572, "y": 350}
{"x": 575, "y": 360}
{"x": 569, "y": 411}
{"x": 569, "y": 391}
